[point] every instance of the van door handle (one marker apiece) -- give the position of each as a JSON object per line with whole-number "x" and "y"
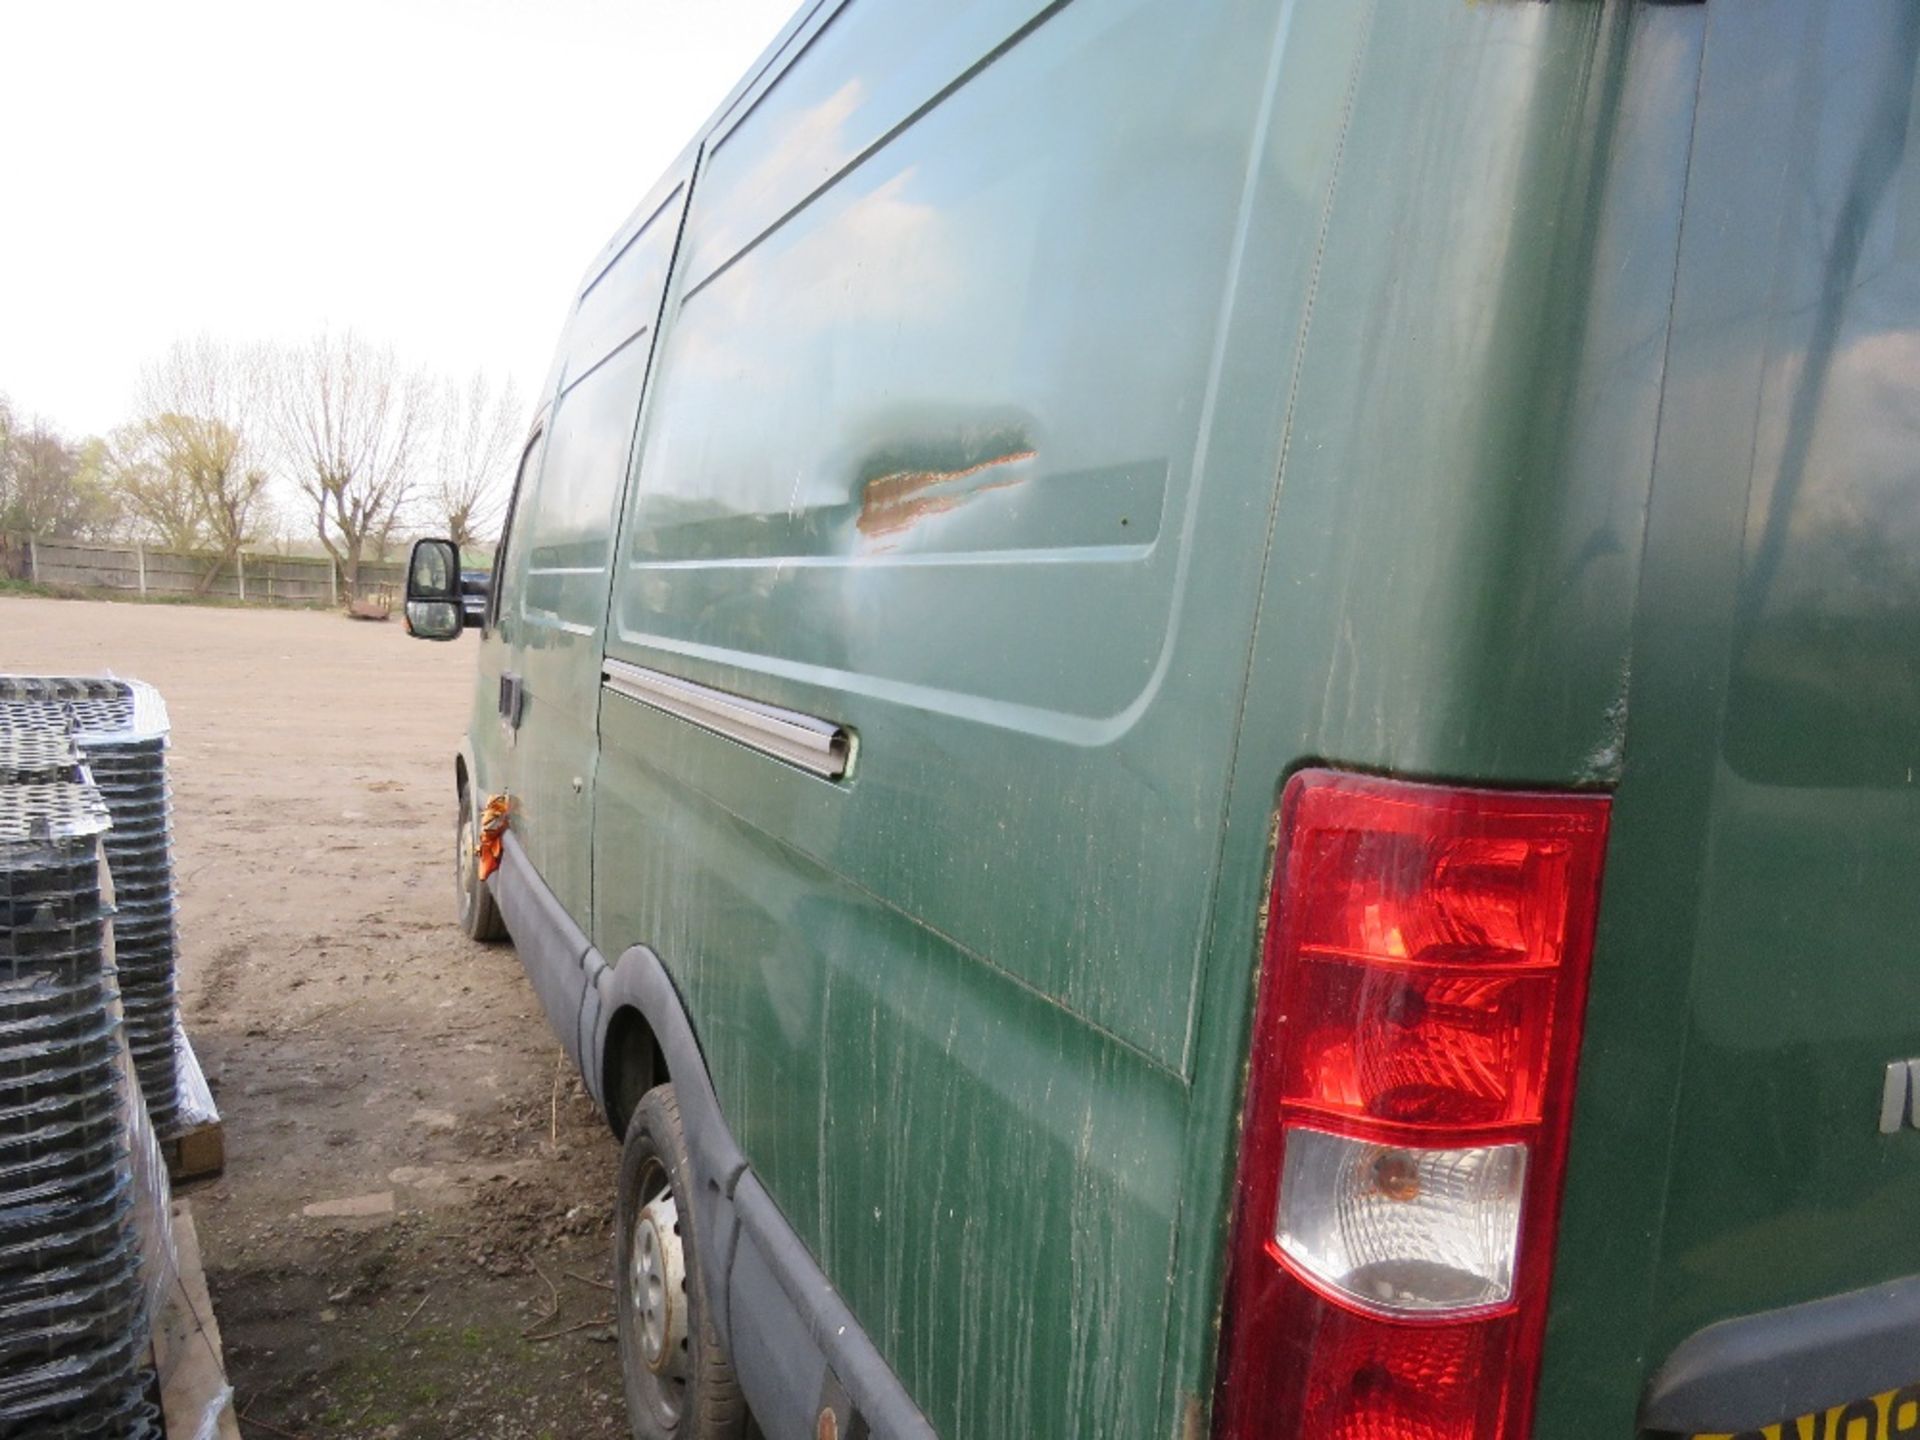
{"x": 512, "y": 699}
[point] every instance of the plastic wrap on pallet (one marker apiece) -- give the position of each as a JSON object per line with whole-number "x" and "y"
{"x": 195, "y": 1098}
{"x": 196, "y": 1395}
{"x": 84, "y": 1242}
{"x": 121, "y": 730}
{"x": 152, "y": 1193}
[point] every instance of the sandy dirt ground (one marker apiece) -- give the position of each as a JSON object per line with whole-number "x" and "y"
{"x": 367, "y": 1058}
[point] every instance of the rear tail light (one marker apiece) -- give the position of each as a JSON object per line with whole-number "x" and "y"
{"x": 1407, "y": 1108}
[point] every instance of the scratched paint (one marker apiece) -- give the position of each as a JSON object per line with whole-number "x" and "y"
{"x": 898, "y": 501}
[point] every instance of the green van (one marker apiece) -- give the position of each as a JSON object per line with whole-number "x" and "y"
{"x": 1208, "y": 713}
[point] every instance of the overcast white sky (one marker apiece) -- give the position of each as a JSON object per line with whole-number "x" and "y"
{"x": 433, "y": 173}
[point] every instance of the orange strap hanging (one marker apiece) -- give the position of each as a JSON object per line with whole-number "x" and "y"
{"x": 493, "y": 825}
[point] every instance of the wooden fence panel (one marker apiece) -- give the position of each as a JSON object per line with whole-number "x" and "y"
{"x": 94, "y": 567}
{"x": 155, "y": 574}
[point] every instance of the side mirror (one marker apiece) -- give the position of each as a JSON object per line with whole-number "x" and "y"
{"x": 433, "y": 591}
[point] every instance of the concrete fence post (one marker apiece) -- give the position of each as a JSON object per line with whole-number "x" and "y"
{"x": 33, "y": 560}
{"x": 333, "y": 583}
{"x": 240, "y": 568}
{"x": 140, "y": 560}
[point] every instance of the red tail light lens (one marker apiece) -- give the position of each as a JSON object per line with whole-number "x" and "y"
{"x": 1407, "y": 1108}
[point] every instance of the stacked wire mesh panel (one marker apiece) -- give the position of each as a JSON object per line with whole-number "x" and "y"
{"x": 80, "y": 1204}
{"x": 120, "y": 727}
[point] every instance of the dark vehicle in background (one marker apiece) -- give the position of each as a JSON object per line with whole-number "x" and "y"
{"x": 1209, "y": 714}
{"x": 474, "y": 585}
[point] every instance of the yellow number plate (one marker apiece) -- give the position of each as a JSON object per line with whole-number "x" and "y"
{"x": 1894, "y": 1415}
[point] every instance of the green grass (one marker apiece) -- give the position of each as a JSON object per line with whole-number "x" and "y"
{"x": 45, "y": 592}
{"x": 388, "y": 1385}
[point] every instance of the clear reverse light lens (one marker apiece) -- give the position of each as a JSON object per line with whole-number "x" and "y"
{"x": 1400, "y": 1228}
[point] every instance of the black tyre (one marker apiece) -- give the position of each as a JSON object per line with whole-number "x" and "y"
{"x": 679, "y": 1383}
{"x": 479, "y": 916}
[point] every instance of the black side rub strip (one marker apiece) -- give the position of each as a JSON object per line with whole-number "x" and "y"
{"x": 1758, "y": 1370}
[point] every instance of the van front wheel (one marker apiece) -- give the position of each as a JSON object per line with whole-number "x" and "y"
{"x": 679, "y": 1383}
{"x": 479, "y": 916}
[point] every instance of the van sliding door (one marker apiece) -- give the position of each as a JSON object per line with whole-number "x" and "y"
{"x": 926, "y": 462}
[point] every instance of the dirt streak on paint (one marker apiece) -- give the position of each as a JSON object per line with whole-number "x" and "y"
{"x": 892, "y": 503}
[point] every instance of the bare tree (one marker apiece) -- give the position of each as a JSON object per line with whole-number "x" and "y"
{"x": 476, "y": 441}
{"x": 351, "y": 422}
{"x": 9, "y": 461}
{"x": 193, "y": 466}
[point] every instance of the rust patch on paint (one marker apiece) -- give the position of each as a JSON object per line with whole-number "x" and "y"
{"x": 896, "y": 502}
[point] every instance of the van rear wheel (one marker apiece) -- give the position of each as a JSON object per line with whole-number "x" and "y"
{"x": 479, "y": 916}
{"x": 679, "y": 1383}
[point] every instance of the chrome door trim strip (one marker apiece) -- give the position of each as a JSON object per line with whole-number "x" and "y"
{"x": 817, "y": 746}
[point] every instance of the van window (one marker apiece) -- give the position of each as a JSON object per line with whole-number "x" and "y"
{"x": 506, "y": 552}
{"x": 623, "y": 301}
{"x": 569, "y": 531}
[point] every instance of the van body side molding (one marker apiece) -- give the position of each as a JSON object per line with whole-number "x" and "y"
{"x": 1744, "y": 1374}
{"x": 817, "y": 746}
{"x": 553, "y": 949}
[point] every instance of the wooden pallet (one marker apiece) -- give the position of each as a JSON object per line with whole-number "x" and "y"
{"x": 196, "y": 1403}
{"x": 199, "y": 1148}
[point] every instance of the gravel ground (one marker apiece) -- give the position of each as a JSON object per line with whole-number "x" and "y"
{"x": 368, "y": 1059}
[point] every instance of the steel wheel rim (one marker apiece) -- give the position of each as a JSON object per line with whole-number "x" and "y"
{"x": 463, "y": 860}
{"x": 656, "y": 1298}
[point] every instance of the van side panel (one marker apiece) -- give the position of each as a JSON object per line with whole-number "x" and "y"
{"x": 915, "y": 444}
{"x": 1464, "y": 480}
{"x": 985, "y": 1180}
{"x": 962, "y": 436}
{"x": 1763, "y": 912}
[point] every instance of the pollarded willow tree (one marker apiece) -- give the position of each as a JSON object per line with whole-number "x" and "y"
{"x": 352, "y": 424}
